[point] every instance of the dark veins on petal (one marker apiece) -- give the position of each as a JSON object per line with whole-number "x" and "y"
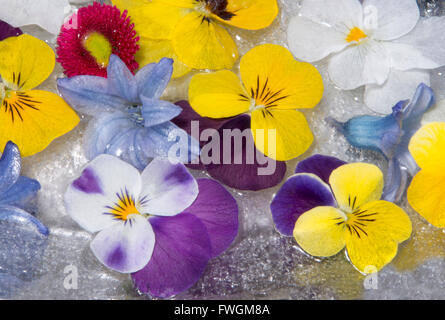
{"x": 15, "y": 107}
{"x": 219, "y": 8}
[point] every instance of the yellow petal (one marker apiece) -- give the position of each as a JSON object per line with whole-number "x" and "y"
{"x": 356, "y": 184}
{"x": 156, "y": 20}
{"x": 251, "y": 14}
{"x": 427, "y": 146}
{"x": 203, "y": 44}
{"x": 320, "y": 231}
{"x": 179, "y": 3}
{"x": 152, "y": 51}
{"x": 373, "y": 234}
{"x": 128, "y": 4}
{"x": 218, "y": 95}
{"x": 290, "y": 135}
{"x": 275, "y": 79}
{"x": 32, "y": 119}
{"x": 25, "y": 62}
{"x": 426, "y": 196}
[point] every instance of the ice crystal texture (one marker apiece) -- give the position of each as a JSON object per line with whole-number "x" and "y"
{"x": 261, "y": 264}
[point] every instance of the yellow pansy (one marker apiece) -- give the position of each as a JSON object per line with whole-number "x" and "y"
{"x": 30, "y": 118}
{"x": 368, "y": 227}
{"x": 273, "y": 86}
{"x": 426, "y": 192}
{"x": 191, "y": 31}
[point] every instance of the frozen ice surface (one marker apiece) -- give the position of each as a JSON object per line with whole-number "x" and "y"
{"x": 261, "y": 264}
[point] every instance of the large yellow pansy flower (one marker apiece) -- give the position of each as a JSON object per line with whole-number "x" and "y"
{"x": 191, "y": 31}
{"x": 368, "y": 227}
{"x": 273, "y": 86}
{"x": 30, "y": 118}
{"x": 426, "y": 194}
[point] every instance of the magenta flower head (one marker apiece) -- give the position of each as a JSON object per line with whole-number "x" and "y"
{"x": 161, "y": 226}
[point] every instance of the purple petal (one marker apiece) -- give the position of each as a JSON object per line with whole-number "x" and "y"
{"x": 218, "y": 210}
{"x": 6, "y": 31}
{"x": 126, "y": 246}
{"x": 181, "y": 253}
{"x": 188, "y": 117}
{"x": 320, "y": 165}
{"x": 243, "y": 170}
{"x": 300, "y": 193}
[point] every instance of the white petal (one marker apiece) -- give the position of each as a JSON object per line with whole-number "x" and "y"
{"x": 48, "y": 14}
{"x": 405, "y": 57}
{"x": 401, "y": 85}
{"x": 358, "y": 65}
{"x": 390, "y": 19}
{"x": 428, "y": 37}
{"x": 310, "y": 41}
{"x": 87, "y": 198}
{"x": 342, "y": 15}
{"x": 125, "y": 246}
{"x": 167, "y": 188}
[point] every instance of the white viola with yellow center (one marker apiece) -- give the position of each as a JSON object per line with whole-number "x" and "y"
{"x": 380, "y": 44}
{"x": 112, "y": 198}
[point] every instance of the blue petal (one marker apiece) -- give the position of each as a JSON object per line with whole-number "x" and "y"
{"x": 121, "y": 81}
{"x": 395, "y": 181}
{"x": 103, "y": 130}
{"x": 413, "y": 112}
{"x": 23, "y": 240}
{"x": 90, "y": 94}
{"x": 21, "y": 193}
{"x": 10, "y": 166}
{"x": 154, "y": 78}
{"x": 376, "y": 133}
{"x": 119, "y": 134}
{"x": 157, "y": 111}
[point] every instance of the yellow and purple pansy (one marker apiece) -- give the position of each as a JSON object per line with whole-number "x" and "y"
{"x": 329, "y": 205}
{"x": 191, "y": 31}
{"x": 242, "y": 172}
{"x": 130, "y": 120}
{"x": 22, "y": 236}
{"x": 162, "y": 226}
{"x": 32, "y": 119}
{"x": 426, "y": 193}
{"x": 272, "y": 87}
{"x": 390, "y": 135}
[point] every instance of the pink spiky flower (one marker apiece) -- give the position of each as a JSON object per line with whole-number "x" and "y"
{"x": 87, "y": 40}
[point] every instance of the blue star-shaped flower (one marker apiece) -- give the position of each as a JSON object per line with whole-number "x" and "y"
{"x": 390, "y": 136}
{"x": 131, "y": 121}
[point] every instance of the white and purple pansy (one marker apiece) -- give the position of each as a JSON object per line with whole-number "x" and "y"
{"x": 130, "y": 121}
{"x": 22, "y": 236}
{"x": 161, "y": 225}
{"x": 390, "y": 135}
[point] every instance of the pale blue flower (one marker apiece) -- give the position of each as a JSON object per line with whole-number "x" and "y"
{"x": 390, "y": 136}
{"x": 131, "y": 122}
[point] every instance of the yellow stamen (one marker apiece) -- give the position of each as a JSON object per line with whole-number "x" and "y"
{"x": 124, "y": 207}
{"x": 99, "y": 47}
{"x": 356, "y": 35}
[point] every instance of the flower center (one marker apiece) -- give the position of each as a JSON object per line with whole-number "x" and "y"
{"x": 356, "y": 35}
{"x": 262, "y": 96}
{"x": 124, "y": 206}
{"x": 216, "y": 7}
{"x": 99, "y": 48}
